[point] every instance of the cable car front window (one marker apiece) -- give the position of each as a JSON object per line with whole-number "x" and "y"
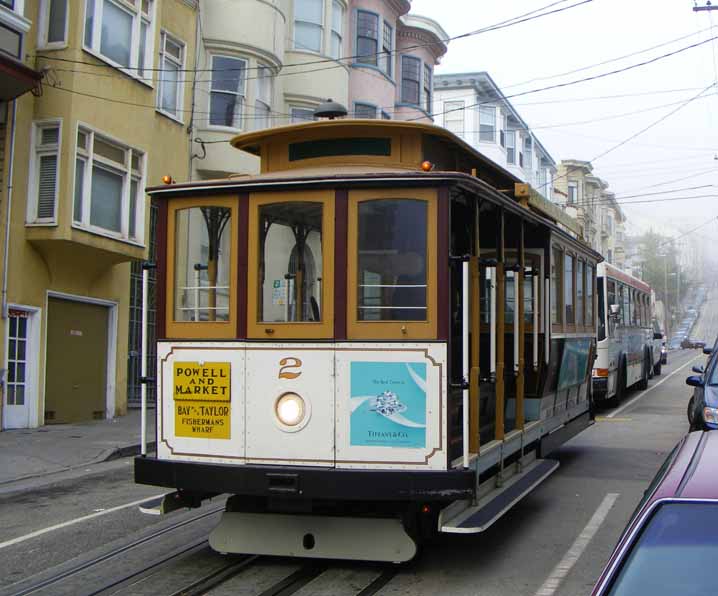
{"x": 202, "y": 264}
{"x": 290, "y": 262}
{"x": 392, "y": 249}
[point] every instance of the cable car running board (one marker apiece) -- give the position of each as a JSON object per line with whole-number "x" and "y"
{"x": 492, "y": 506}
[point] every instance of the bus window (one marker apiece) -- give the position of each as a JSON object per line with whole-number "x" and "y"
{"x": 601, "y": 309}
{"x": 613, "y": 298}
{"x": 202, "y": 248}
{"x": 568, "y": 289}
{"x": 626, "y": 300}
{"x": 579, "y": 293}
{"x": 556, "y": 271}
{"x": 589, "y": 296}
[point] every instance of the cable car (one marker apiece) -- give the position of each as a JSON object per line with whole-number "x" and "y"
{"x": 380, "y": 336}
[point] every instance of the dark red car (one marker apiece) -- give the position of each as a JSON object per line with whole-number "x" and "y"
{"x": 670, "y": 545}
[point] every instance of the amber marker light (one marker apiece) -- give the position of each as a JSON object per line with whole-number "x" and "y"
{"x": 167, "y": 179}
{"x": 427, "y": 166}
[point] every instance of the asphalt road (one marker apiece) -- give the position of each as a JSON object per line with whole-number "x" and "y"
{"x": 555, "y": 541}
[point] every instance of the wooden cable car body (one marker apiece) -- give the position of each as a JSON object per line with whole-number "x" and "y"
{"x": 350, "y": 345}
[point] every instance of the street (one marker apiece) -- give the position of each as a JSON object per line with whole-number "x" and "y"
{"x": 607, "y": 467}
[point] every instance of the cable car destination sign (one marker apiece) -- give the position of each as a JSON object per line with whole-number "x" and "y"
{"x": 202, "y": 399}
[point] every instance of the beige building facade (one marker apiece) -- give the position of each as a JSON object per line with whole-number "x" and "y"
{"x": 108, "y": 119}
{"x": 586, "y": 197}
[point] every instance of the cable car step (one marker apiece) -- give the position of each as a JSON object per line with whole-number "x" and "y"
{"x": 163, "y": 505}
{"x": 497, "y": 502}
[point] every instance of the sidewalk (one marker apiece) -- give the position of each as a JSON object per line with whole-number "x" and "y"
{"x": 32, "y": 452}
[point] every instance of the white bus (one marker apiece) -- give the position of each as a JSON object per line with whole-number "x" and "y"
{"x": 625, "y": 354}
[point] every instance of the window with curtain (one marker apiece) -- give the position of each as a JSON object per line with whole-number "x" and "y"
{"x": 308, "y": 20}
{"x": 169, "y": 89}
{"x": 109, "y": 187}
{"x": 487, "y": 123}
{"x": 410, "y": 79}
{"x": 121, "y": 32}
{"x": 227, "y": 91}
{"x": 367, "y": 38}
{"x": 337, "y": 29}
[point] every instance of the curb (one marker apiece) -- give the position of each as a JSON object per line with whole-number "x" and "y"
{"x": 129, "y": 451}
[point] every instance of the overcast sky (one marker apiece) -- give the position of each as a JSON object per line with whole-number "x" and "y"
{"x": 682, "y": 148}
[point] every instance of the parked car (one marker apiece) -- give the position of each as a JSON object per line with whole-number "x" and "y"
{"x": 656, "y": 343}
{"x": 703, "y": 405}
{"x": 691, "y": 344}
{"x": 670, "y": 544}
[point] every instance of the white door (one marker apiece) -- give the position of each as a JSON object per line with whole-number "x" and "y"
{"x": 17, "y": 395}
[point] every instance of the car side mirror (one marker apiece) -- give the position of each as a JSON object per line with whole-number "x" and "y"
{"x": 697, "y": 369}
{"x": 707, "y": 351}
{"x": 694, "y": 381}
{"x": 657, "y": 336}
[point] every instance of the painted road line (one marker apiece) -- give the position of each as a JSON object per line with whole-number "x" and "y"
{"x": 77, "y": 520}
{"x": 633, "y": 400}
{"x": 579, "y": 545}
{"x": 605, "y": 419}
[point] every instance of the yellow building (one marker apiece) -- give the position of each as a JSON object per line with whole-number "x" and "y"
{"x": 110, "y": 117}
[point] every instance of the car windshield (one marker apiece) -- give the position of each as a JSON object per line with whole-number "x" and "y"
{"x": 674, "y": 553}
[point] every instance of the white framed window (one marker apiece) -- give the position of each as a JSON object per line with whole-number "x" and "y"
{"x": 487, "y": 123}
{"x": 44, "y": 180}
{"x": 454, "y": 116}
{"x": 120, "y": 32}
{"x": 308, "y": 21}
{"x": 528, "y": 151}
{"x": 504, "y": 128}
{"x": 364, "y": 110}
{"x": 572, "y": 192}
{"x": 300, "y": 114}
{"x": 386, "y": 58}
{"x": 263, "y": 101}
{"x": 227, "y": 91}
{"x": 109, "y": 187}
{"x": 511, "y": 146}
{"x": 169, "y": 91}
{"x": 337, "y": 35}
{"x": 367, "y": 38}
{"x": 52, "y": 26}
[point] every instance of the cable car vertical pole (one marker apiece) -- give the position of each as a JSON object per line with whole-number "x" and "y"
{"x": 536, "y": 306}
{"x": 143, "y": 360}
{"x": 500, "y": 326}
{"x": 520, "y": 349}
{"x": 465, "y": 356}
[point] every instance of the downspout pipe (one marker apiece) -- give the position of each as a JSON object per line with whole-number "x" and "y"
{"x": 8, "y": 211}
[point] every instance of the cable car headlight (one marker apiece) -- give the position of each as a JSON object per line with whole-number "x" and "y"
{"x": 290, "y": 409}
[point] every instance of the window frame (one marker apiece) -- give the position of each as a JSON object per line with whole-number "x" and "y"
{"x": 37, "y": 151}
{"x": 292, "y": 115}
{"x": 333, "y": 33}
{"x": 569, "y": 256}
{"x": 427, "y": 92}
{"x": 364, "y": 59}
{"x": 261, "y": 102}
{"x": 321, "y": 26}
{"x": 387, "y": 51}
{"x": 404, "y": 100}
{"x": 572, "y": 185}
{"x": 452, "y": 107}
{"x": 44, "y": 24}
{"x": 202, "y": 329}
{"x": 134, "y": 69}
{"x": 557, "y": 281}
{"x": 240, "y": 93}
{"x": 164, "y": 35}
{"x": 511, "y": 147}
{"x": 88, "y": 156}
{"x": 483, "y": 110}
{"x": 364, "y": 104}
{"x": 323, "y": 329}
{"x": 392, "y": 330}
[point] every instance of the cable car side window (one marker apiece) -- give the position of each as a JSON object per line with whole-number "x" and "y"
{"x": 392, "y": 279}
{"x": 201, "y": 280}
{"x": 392, "y": 264}
{"x": 290, "y": 278}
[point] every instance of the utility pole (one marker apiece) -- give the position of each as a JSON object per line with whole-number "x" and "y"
{"x": 708, "y": 6}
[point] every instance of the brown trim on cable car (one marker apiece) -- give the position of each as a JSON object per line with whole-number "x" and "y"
{"x": 161, "y": 278}
{"x": 341, "y": 214}
{"x": 443, "y": 283}
{"x": 242, "y": 263}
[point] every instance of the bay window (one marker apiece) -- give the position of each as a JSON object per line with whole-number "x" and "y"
{"x": 511, "y": 146}
{"x": 487, "y": 123}
{"x": 427, "y": 88}
{"x": 410, "y": 79}
{"x": 120, "y": 32}
{"x": 335, "y": 50}
{"x": 227, "y": 91}
{"x": 454, "y": 117}
{"x": 169, "y": 92}
{"x": 109, "y": 186}
{"x": 53, "y": 23}
{"x": 45, "y": 173}
{"x": 386, "y": 58}
{"x": 263, "y": 101}
{"x": 367, "y": 37}
{"x": 308, "y": 25}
